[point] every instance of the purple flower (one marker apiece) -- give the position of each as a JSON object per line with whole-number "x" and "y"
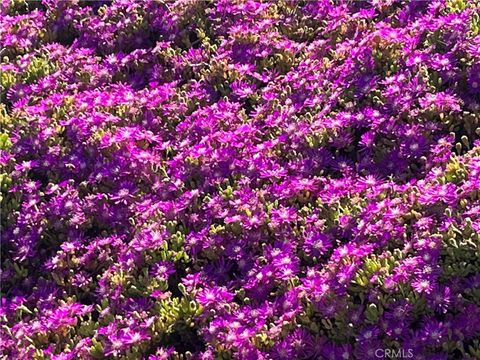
{"x": 162, "y": 270}
{"x": 131, "y": 337}
{"x": 317, "y": 244}
{"x": 239, "y": 179}
{"x": 215, "y": 295}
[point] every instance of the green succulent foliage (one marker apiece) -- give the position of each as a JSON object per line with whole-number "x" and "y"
{"x": 475, "y": 24}
{"x": 38, "y": 67}
{"x": 8, "y": 202}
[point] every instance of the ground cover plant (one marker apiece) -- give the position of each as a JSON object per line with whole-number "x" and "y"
{"x": 240, "y": 179}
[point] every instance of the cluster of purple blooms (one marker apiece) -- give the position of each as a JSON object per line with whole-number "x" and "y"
{"x": 240, "y": 179}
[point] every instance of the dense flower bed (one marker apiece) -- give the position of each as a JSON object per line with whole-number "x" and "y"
{"x": 240, "y": 179}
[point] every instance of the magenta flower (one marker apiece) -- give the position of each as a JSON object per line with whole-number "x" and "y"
{"x": 239, "y": 179}
{"x": 211, "y": 296}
